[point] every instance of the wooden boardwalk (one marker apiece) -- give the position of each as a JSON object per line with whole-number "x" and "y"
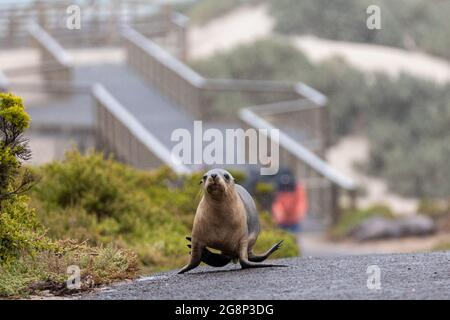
{"x": 156, "y": 112}
{"x": 135, "y": 106}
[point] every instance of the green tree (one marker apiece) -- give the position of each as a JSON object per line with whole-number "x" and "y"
{"x": 19, "y": 230}
{"x": 13, "y": 147}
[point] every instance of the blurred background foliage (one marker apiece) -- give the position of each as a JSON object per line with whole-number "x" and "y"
{"x": 404, "y": 117}
{"x": 351, "y": 219}
{"x": 412, "y": 24}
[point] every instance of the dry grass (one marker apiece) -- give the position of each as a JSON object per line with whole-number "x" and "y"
{"x": 48, "y": 271}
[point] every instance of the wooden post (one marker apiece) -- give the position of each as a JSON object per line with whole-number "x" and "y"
{"x": 182, "y": 43}
{"x": 12, "y": 26}
{"x": 42, "y": 14}
{"x": 335, "y": 208}
{"x": 166, "y": 13}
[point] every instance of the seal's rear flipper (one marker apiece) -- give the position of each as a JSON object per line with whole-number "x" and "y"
{"x": 260, "y": 258}
{"x": 213, "y": 259}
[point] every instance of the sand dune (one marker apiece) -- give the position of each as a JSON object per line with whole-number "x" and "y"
{"x": 243, "y": 25}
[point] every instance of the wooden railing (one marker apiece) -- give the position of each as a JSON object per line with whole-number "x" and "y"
{"x": 191, "y": 90}
{"x": 194, "y": 92}
{"x": 4, "y": 83}
{"x": 100, "y": 23}
{"x": 168, "y": 29}
{"x": 53, "y": 55}
{"x": 168, "y": 74}
{"x": 127, "y": 138}
{"x": 15, "y": 17}
{"x": 323, "y": 183}
{"x": 312, "y": 120}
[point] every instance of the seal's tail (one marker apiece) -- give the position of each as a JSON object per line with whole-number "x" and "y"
{"x": 245, "y": 264}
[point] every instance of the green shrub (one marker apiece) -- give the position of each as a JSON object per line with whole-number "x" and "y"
{"x": 353, "y": 218}
{"x": 348, "y": 18}
{"x": 263, "y": 188}
{"x": 433, "y": 208}
{"x": 268, "y": 59}
{"x": 408, "y": 133}
{"x": 91, "y": 183}
{"x": 19, "y": 230}
{"x": 29, "y": 260}
{"x": 270, "y": 235}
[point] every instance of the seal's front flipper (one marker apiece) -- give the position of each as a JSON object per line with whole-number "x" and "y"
{"x": 260, "y": 258}
{"x": 196, "y": 258}
{"x": 214, "y": 259}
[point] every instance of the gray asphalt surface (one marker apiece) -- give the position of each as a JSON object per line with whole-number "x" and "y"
{"x": 403, "y": 276}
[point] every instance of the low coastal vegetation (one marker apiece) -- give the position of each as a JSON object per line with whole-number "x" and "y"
{"x": 31, "y": 260}
{"x": 112, "y": 221}
{"x": 351, "y": 219}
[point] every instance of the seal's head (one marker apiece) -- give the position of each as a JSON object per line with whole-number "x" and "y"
{"x": 218, "y": 184}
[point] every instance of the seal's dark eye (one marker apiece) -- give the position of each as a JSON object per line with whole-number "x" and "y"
{"x": 204, "y": 177}
{"x": 226, "y": 176}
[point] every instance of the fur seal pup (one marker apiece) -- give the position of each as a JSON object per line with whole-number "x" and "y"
{"x": 226, "y": 220}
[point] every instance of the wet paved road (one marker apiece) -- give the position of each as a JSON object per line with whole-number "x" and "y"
{"x": 403, "y": 276}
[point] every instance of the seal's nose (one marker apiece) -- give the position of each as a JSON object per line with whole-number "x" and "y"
{"x": 214, "y": 176}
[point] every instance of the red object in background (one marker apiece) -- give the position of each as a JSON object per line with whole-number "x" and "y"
{"x": 289, "y": 207}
